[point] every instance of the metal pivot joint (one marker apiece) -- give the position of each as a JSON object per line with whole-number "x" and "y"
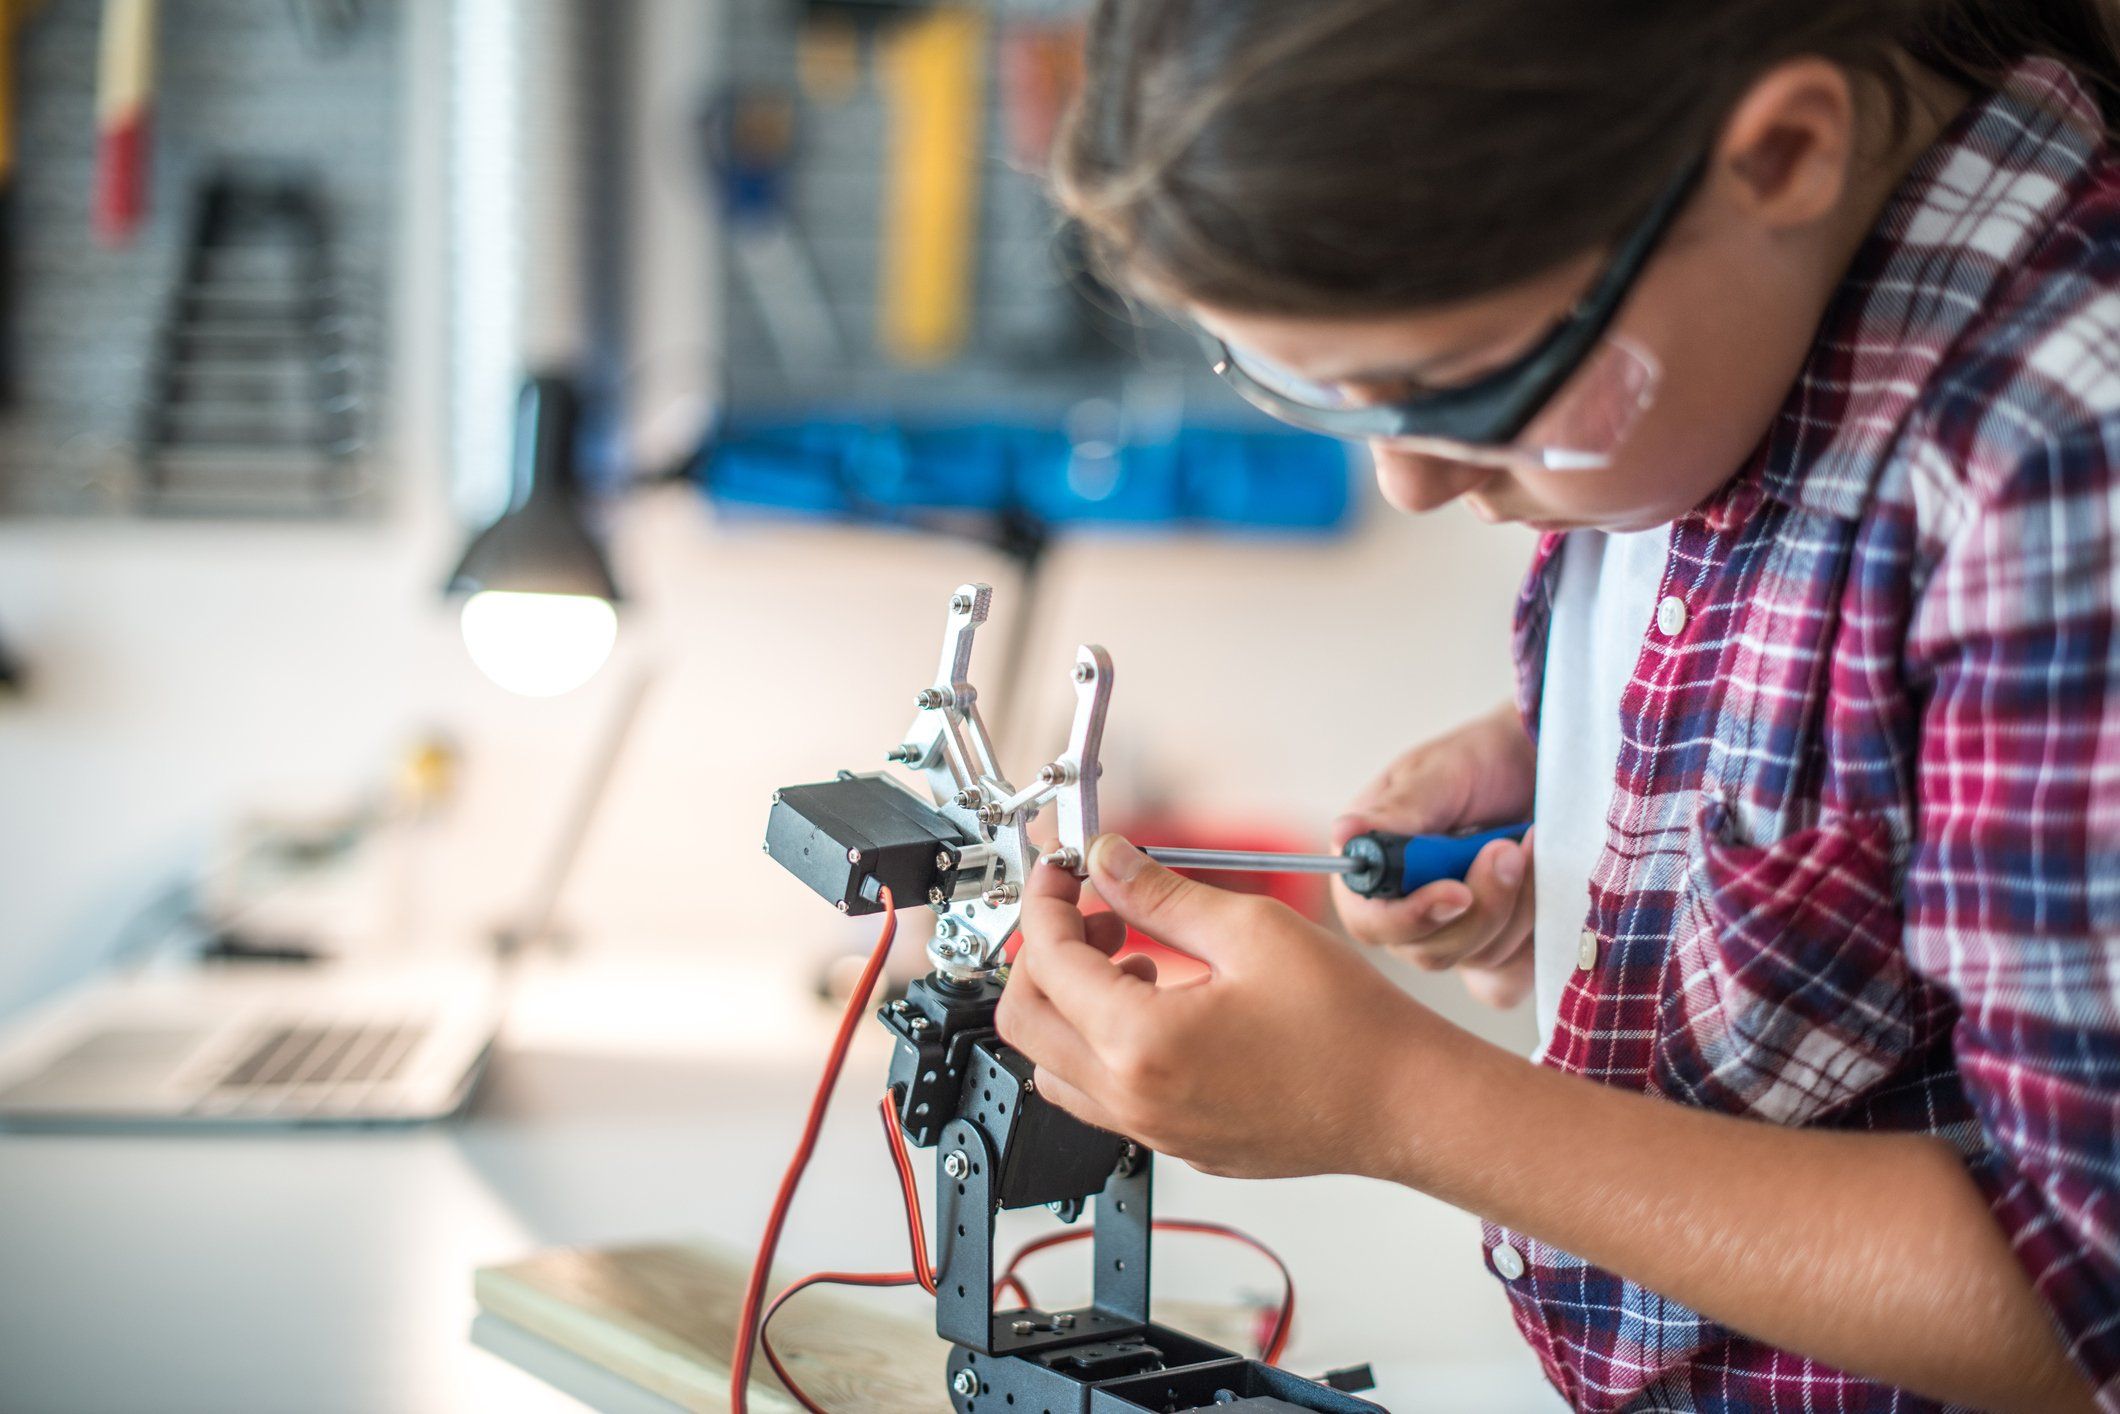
{"x": 1000, "y": 1145}
{"x": 948, "y": 745}
{"x": 961, "y": 1090}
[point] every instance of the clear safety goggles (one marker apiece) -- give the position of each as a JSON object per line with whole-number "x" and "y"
{"x": 1578, "y": 428}
{"x": 1567, "y": 404}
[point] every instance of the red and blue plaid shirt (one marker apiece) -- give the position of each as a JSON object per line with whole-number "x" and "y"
{"x": 1863, "y": 856}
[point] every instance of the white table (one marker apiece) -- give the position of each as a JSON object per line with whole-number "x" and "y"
{"x": 638, "y": 1096}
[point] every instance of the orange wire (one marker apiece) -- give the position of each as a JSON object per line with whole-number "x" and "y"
{"x": 749, "y": 1319}
{"x": 754, "y": 1323}
{"x": 1284, "y": 1324}
{"x": 916, "y": 1227}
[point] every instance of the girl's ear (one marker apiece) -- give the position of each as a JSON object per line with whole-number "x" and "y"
{"x": 1787, "y": 147}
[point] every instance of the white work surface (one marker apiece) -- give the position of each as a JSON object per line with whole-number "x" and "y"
{"x": 639, "y": 1096}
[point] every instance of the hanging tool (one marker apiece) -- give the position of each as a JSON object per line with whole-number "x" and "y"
{"x": 934, "y": 72}
{"x": 125, "y": 75}
{"x": 1041, "y": 69}
{"x": 254, "y": 401}
{"x": 750, "y": 138}
{"x": 10, "y": 12}
{"x": 14, "y": 15}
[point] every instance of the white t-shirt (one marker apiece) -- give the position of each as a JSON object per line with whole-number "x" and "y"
{"x": 1603, "y": 603}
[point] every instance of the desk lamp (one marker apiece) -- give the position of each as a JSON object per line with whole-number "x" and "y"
{"x": 540, "y": 616}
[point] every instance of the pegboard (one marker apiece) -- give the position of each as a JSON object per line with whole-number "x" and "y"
{"x": 1032, "y": 350}
{"x": 308, "y": 89}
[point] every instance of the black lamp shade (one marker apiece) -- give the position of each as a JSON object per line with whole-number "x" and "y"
{"x": 541, "y": 544}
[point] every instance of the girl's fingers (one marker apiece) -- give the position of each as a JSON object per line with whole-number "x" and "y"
{"x": 1106, "y": 932}
{"x": 1049, "y": 882}
{"x": 1140, "y": 965}
{"x": 1496, "y": 886}
{"x": 1413, "y": 919}
{"x": 1501, "y": 988}
{"x": 1074, "y": 1099}
{"x": 1515, "y": 931}
{"x": 1030, "y": 1022}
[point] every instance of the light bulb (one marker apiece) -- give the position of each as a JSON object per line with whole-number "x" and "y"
{"x": 539, "y": 645}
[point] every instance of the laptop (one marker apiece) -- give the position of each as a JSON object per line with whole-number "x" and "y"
{"x": 235, "y": 1044}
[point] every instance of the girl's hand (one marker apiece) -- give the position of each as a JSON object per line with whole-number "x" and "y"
{"x": 1479, "y": 775}
{"x": 1284, "y": 1059}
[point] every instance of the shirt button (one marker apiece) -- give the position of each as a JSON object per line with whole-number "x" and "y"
{"x": 1586, "y": 950}
{"x": 1671, "y": 616}
{"x": 1507, "y": 1261}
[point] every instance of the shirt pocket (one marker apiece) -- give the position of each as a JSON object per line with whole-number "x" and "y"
{"x": 1789, "y": 994}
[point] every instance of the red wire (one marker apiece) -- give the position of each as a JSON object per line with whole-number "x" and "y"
{"x": 1284, "y": 1323}
{"x": 753, "y": 1326}
{"x": 923, "y": 1271}
{"x": 749, "y": 1321}
{"x": 818, "y": 1279}
{"x": 916, "y": 1228}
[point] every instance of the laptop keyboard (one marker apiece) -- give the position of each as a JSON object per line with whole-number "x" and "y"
{"x": 323, "y": 1055}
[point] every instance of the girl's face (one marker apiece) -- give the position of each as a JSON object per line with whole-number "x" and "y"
{"x": 1727, "y": 307}
{"x": 1726, "y": 318}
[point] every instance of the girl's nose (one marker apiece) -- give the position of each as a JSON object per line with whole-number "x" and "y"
{"x": 1414, "y": 483}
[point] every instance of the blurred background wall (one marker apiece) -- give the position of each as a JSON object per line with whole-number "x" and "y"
{"x": 187, "y": 671}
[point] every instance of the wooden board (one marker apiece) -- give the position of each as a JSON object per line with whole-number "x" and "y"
{"x": 663, "y": 1316}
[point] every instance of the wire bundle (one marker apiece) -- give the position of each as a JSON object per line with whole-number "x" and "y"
{"x": 753, "y": 1326}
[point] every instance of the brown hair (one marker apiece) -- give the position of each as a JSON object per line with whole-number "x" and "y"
{"x": 1322, "y": 157}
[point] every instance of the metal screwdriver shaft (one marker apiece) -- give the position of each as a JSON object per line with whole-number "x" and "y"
{"x": 1246, "y": 861}
{"x": 1377, "y": 864}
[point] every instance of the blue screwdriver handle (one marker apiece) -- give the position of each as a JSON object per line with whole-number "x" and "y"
{"x": 1393, "y": 866}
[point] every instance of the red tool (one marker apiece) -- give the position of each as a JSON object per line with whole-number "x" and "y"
{"x": 124, "y": 95}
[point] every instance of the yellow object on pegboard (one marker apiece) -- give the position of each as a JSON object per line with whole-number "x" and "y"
{"x": 933, "y": 74}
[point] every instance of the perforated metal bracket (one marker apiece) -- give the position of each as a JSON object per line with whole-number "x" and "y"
{"x": 949, "y": 746}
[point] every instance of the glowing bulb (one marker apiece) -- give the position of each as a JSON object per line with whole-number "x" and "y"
{"x": 539, "y": 645}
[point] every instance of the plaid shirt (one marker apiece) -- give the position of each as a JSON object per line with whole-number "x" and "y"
{"x": 1863, "y": 855}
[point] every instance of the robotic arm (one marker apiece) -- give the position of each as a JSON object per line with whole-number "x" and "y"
{"x": 959, "y": 1089}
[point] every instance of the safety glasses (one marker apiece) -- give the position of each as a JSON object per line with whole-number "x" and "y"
{"x": 1565, "y": 405}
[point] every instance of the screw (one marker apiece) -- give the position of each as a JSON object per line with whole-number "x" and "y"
{"x": 1069, "y": 859}
{"x": 968, "y": 798}
{"x": 853, "y": 856}
{"x": 907, "y": 753}
{"x": 768, "y": 848}
{"x": 965, "y": 1383}
{"x": 1023, "y": 1327}
{"x": 898, "y": 1007}
{"x": 1057, "y": 774}
{"x": 776, "y": 797}
{"x": 919, "y": 1024}
{"x": 943, "y": 860}
{"x": 990, "y": 815}
{"x": 1030, "y": 1086}
{"x": 1065, "y": 1320}
{"x": 841, "y": 905}
{"x": 1001, "y": 895}
{"x": 1084, "y": 672}
{"x": 936, "y": 897}
{"x": 930, "y": 698}
{"x": 945, "y": 927}
{"x": 1057, "y": 1207}
{"x": 955, "y": 1164}
{"x": 960, "y": 603}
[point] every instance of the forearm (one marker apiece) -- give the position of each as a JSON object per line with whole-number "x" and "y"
{"x": 1875, "y": 1253}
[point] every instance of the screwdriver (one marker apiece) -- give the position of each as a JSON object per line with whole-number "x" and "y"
{"x": 1378, "y": 864}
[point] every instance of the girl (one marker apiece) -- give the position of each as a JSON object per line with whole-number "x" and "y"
{"x": 1792, "y": 324}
